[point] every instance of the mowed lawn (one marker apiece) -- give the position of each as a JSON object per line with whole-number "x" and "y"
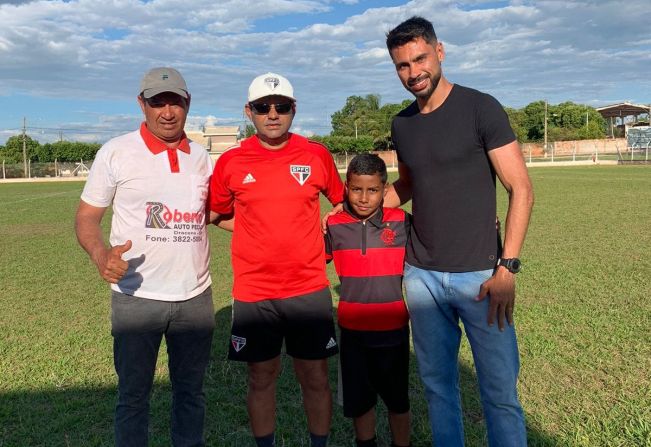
{"x": 583, "y": 315}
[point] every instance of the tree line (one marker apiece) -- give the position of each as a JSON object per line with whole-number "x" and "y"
{"x": 12, "y": 151}
{"x": 364, "y": 125}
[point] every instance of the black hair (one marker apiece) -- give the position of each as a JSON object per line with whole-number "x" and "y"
{"x": 367, "y": 164}
{"x": 411, "y": 29}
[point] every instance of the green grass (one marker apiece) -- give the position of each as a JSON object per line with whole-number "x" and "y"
{"x": 583, "y": 318}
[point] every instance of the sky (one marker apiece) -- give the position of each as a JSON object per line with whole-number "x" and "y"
{"x": 71, "y": 69}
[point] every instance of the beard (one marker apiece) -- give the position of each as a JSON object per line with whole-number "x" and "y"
{"x": 427, "y": 92}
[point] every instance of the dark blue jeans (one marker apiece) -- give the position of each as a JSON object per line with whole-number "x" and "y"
{"x": 138, "y": 326}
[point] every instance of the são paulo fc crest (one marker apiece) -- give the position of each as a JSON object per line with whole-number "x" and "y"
{"x": 300, "y": 172}
{"x": 272, "y": 82}
{"x": 238, "y": 342}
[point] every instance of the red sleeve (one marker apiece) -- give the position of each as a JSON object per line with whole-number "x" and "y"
{"x": 220, "y": 196}
{"x": 334, "y": 189}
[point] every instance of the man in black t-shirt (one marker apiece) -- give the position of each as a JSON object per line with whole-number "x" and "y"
{"x": 451, "y": 143}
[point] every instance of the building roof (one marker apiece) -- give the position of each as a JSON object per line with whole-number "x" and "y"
{"x": 623, "y": 109}
{"x": 221, "y": 130}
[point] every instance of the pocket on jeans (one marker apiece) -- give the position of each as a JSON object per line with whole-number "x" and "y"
{"x": 124, "y": 310}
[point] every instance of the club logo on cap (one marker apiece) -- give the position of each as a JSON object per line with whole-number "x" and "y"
{"x": 165, "y": 76}
{"x": 272, "y": 82}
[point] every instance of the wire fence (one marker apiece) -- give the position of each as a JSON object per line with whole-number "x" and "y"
{"x": 45, "y": 170}
{"x": 638, "y": 154}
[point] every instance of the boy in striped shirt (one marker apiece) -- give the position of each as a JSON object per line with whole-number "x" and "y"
{"x": 367, "y": 243}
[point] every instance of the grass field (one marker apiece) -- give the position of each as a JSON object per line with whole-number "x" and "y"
{"x": 583, "y": 317}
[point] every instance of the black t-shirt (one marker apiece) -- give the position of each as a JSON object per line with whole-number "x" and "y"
{"x": 453, "y": 182}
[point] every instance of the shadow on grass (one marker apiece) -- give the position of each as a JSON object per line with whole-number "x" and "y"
{"x": 230, "y": 426}
{"x": 83, "y": 416}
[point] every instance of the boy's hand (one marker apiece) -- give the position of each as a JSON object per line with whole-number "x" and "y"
{"x": 336, "y": 210}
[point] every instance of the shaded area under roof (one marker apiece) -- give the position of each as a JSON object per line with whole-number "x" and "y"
{"x": 623, "y": 109}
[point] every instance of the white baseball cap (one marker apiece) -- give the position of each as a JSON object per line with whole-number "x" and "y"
{"x": 270, "y": 84}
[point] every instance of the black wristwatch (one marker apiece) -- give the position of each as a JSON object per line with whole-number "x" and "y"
{"x": 513, "y": 265}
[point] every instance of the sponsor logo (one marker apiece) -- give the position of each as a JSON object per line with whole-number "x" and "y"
{"x": 161, "y": 216}
{"x": 300, "y": 172}
{"x": 248, "y": 179}
{"x": 388, "y": 236}
{"x": 272, "y": 82}
{"x": 331, "y": 343}
{"x": 238, "y": 343}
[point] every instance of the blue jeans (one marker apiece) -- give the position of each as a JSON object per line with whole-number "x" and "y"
{"x": 436, "y": 301}
{"x": 138, "y": 326}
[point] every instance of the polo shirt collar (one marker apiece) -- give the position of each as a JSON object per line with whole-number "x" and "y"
{"x": 156, "y": 146}
{"x": 375, "y": 219}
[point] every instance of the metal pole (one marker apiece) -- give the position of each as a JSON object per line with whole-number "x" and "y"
{"x": 545, "y": 146}
{"x": 3, "y": 169}
{"x": 574, "y": 152}
{"x": 24, "y": 150}
{"x": 29, "y": 169}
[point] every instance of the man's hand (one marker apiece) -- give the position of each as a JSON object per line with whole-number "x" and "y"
{"x": 336, "y": 210}
{"x": 110, "y": 264}
{"x": 501, "y": 288}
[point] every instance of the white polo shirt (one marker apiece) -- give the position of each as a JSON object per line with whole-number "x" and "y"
{"x": 162, "y": 212}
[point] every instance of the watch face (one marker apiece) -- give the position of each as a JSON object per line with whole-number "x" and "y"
{"x": 515, "y": 265}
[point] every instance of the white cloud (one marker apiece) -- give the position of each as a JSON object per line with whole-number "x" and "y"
{"x": 559, "y": 50}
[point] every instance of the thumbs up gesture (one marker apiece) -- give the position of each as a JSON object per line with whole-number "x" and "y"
{"x": 110, "y": 264}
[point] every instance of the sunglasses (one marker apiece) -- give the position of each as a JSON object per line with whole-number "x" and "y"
{"x": 262, "y": 108}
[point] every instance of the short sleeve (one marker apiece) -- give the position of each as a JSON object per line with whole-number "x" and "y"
{"x": 334, "y": 188}
{"x": 493, "y": 123}
{"x": 101, "y": 184}
{"x": 220, "y": 197}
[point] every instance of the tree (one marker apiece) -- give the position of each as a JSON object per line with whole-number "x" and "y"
{"x": 534, "y": 120}
{"x": 340, "y": 144}
{"x": 359, "y": 116}
{"x": 517, "y": 120}
{"x": 565, "y": 121}
{"x": 363, "y": 116}
{"x": 249, "y": 130}
{"x": 69, "y": 151}
{"x": 13, "y": 149}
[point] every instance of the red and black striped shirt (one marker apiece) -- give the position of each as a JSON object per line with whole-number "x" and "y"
{"x": 369, "y": 259}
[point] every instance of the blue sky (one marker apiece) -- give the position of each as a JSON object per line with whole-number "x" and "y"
{"x": 72, "y": 68}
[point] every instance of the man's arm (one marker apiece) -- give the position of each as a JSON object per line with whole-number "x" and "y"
{"x": 223, "y": 221}
{"x": 512, "y": 172}
{"x": 399, "y": 192}
{"x": 109, "y": 261}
